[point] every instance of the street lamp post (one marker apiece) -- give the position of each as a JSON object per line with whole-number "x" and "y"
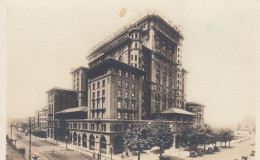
{"x": 66, "y": 140}
{"x": 30, "y": 134}
{"x": 11, "y": 131}
{"x": 111, "y": 150}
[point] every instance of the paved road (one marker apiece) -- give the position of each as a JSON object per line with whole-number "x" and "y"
{"x": 47, "y": 150}
{"x": 236, "y": 152}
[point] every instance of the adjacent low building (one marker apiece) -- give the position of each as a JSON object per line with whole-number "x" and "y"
{"x": 198, "y": 110}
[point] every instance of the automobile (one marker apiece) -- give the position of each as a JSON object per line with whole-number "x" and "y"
{"x": 210, "y": 150}
{"x": 193, "y": 154}
{"x": 200, "y": 152}
{"x": 216, "y": 149}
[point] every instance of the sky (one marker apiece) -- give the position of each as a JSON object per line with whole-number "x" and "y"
{"x": 46, "y": 39}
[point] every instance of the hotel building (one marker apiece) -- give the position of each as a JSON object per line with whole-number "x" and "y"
{"x": 135, "y": 76}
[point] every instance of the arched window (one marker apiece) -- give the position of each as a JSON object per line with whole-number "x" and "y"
{"x": 92, "y": 142}
{"x": 84, "y": 138}
{"x": 74, "y": 138}
{"x": 103, "y": 145}
{"x": 79, "y": 140}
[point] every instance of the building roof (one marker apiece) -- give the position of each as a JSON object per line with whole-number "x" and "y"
{"x": 110, "y": 62}
{"x": 194, "y": 104}
{"x": 80, "y": 67}
{"x": 72, "y": 110}
{"x": 60, "y": 89}
{"x": 152, "y": 16}
{"x": 177, "y": 111}
{"x": 184, "y": 70}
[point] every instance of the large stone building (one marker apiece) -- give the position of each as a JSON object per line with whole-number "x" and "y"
{"x": 135, "y": 76}
{"x": 43, "y": 114}
{"x": 58, "y": 100}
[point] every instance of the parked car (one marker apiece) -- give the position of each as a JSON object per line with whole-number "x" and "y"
{"x": 216, "y": 149}
{"x": 200, "y": 152}
{"x": 210, "y": 150}
{"x": 193, "y": 154}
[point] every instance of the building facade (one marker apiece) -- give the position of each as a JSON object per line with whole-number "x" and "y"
{"x": 198, "y": 110}
{"x": 43, "y": 114}
{"x": 134, "y": 77}
{"x": 79, "y": 79}
{"x": 58, "y": 100}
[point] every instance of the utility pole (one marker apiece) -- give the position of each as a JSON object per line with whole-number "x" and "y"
{"x": 11, "y": 131}
{"x": 30, "y": 138}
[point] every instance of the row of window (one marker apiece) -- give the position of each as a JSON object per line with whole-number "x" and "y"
{"x": 119, "y": 94}
{"x": 120, "y": 106}
{"x": 98, "y": 84}
{"x": 123, "y": 115}
{"x": 120, "y": 84}
{"x": 98, "y": 94}
{"x": 98, "y": 114}
{"x": 92, "y": 126}
{"x": 126, "y": 74}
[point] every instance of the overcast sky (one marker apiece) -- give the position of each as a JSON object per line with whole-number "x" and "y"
{"x": 46, "y": 39}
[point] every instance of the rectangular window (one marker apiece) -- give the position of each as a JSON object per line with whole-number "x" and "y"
{"x": 119, "y": 83}
{"x": 126, "y": 94}
{"x": 93, "y": 96}
{"x": 119, "y": 72}
{"x": 93, "y": 86}
{"x": 119, "y": 103}
{"x": 126, "y": 105}
{"x": 133, "y": 106}
{"x": 133, "y": 96}
{"x": 133, "y": 77}
{"x": 103, "y": 93}
{"x": 98, "y": 94}
{"x": 119, "y": 115}
{"x": 133, "y": 116}
{"x": 103, "y": 83}
{"x": 135, "y": 45}
{"x": 126, "y": 115}
{"x": 126, "y": 74}
{"x": 119, "y": 93}
{"x": 98, "y": 85}
{"x": 133, "y": 86}
{"x": 132, "y": 57}
{"x": 127, "y": 85}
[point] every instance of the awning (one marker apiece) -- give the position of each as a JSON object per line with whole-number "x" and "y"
{"x": 71, "y": 110}
{"x": 177, "y": 111}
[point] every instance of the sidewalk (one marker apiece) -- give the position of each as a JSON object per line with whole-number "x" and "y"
{"x": 13, "y": 154}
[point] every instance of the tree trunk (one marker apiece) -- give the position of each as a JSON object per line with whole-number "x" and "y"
{"x": 229, "y": 143}
{"x": 139, "y": 153}
{"x": 160, "y": 150}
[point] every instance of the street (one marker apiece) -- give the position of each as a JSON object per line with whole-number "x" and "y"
{"x": 48, "y": 150}
{"x": 45, "y": 149}
{"x": 236, "y": 151}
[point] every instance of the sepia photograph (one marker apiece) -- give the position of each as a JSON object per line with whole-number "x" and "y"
{"x": 129, "y": 80}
